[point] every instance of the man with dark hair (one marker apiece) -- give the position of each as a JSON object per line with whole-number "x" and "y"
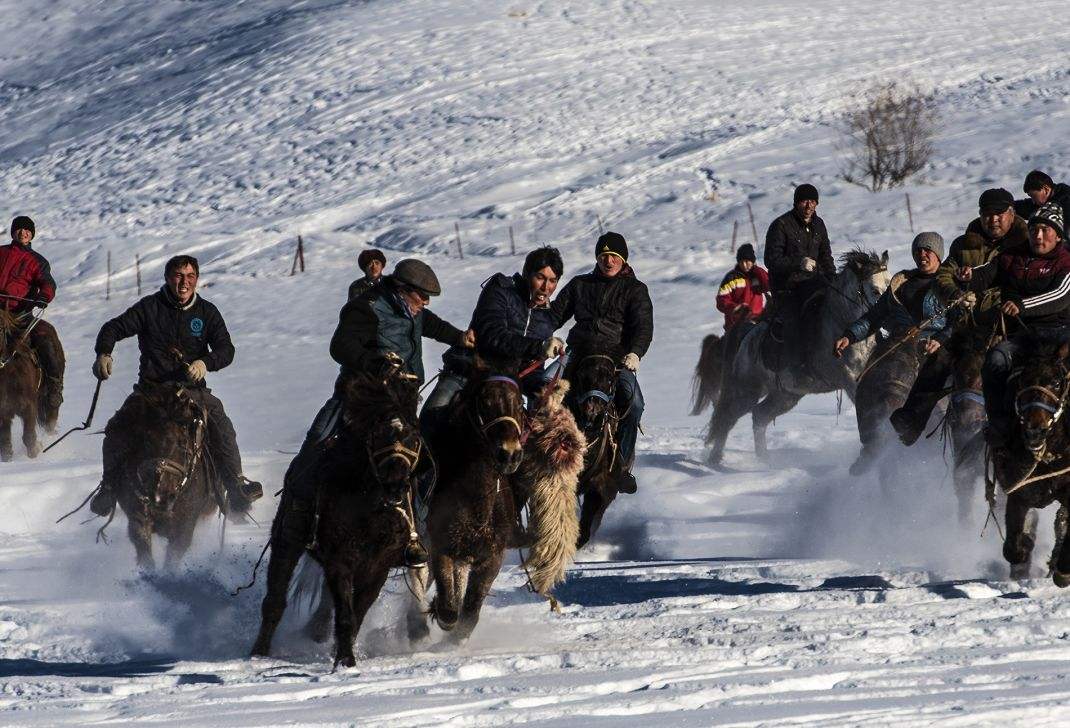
{"x": 798, "y": 255}
{"x": 995, "y": 230}
{"x": 743, "y": 289}
{"x": 1041, "y": 189}
{"x": 181, "y": 337}
{"x": 26, "y": 283}
{"x": 371, "y": 262}
{"x": 511, "y": 320}
{"x": 614, "y": 317}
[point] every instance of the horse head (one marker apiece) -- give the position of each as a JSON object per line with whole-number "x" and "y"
{"x": 593, "y": 382}
{"x": 863, "y": 277}
{"x": 171, "y": 455}
{"x": 496, "y": 407}
{"x": 394, "y": 447}
{"x": 1040, "y": 395}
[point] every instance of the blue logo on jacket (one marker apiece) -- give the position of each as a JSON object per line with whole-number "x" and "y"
{"x": 196, "y": 326}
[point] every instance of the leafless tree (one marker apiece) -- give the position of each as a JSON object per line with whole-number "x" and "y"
{"x": 888, "y": 135}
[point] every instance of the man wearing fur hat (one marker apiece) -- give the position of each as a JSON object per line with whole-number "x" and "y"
{"x": 614, "y": 317}
{"x": 1034, "y": 285}
{"x": 909, "y": 301}
{"x": 26, "y": 283}
{"x": 995, "y": 230}
{"x": 743, "y": 289}
{"x": 798, "y": 255}
{"x": 371, "y": 262}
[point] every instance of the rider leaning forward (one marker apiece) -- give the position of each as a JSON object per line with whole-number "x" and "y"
{"x": 26, "y": 283}
{"x": 615, "y": 318}
{"x": 181, "y": 337}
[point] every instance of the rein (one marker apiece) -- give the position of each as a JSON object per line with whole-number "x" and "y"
{"x": 1040, "y": 454}
{"x": 21, "y": 340}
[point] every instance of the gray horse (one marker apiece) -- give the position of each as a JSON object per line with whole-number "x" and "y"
{"x": 749, "y": 386}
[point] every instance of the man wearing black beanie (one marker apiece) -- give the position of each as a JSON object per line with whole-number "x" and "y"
{"x": 743, "y": 289}
{"x": 799, "y": 258}
{"x": 614, "y": 318}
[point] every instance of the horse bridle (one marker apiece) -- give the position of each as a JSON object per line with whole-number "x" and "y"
{"x": 522, "y": 430}
{"x": 395, "y": 451}
{"x": 606, "y": 397}
{"x": 1056, "y": 411}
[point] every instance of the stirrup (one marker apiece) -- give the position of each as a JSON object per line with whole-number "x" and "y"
{"x": 415, "y": 555}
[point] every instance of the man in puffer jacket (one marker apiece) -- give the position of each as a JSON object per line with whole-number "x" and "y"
{"x": 743, "y": 289}
{"x": 614, "y": 317}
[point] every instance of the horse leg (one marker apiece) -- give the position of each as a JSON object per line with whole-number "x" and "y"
{"x": 178, "y": 543}
{"x": 1060, "y": 555}
{"x": 451, "y": 581}
{"x": 318, "y": 628}
{"x": 1019, "y": 543}
{"x": 364, "y": 595}
{"x": 7, "y": 451}
{"x": 775, "y": 404}
{"x": 415, "y": 617}
{"x": 479, "y": 583}
{"x": 340, "y": 581}
{"x": 28, "y": 415}
{"x": 140, "y": 531}
{"x": 589, "y": 513}
{"x": 733, "y": 403}
{"x": 284, "y": 558}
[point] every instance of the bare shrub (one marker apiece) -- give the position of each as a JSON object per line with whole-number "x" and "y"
{"x": 888, "y": 135}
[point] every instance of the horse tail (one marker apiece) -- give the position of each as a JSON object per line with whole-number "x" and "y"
{"x": 306, "y": 585}
{"x": 706, "y": 384}
{"x": 552, "y": 465}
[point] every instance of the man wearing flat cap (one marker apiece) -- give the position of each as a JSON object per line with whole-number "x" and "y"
{"x": 995, "y": 230}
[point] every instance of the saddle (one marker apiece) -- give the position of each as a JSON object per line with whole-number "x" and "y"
{"x": 789, "y": 328}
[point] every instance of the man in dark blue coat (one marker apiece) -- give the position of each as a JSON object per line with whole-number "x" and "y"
{"x": 512, "y": 320}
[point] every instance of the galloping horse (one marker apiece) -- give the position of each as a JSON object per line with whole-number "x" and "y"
{"x": 755, "y": 388}
{"x": 593, "y": 381}
{"x": 19, "y": 382}
{"x": 1035, "y": 471}
{"x": 167, "y": 485}
{"x": 361, "y": 518}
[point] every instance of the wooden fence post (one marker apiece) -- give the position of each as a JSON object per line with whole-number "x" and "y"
{"x": 601, "y": 227}
{"x": 299, "y": 257}
{"x": 910, "y": 213}
{"x": 753, "y": 229}
{"x": 735, "y": 230}
{"x": 107, "y": 282}
{"x": 137, "y": 271}
{"x": 457, "y": 231}
{"x": 512, "y": 241}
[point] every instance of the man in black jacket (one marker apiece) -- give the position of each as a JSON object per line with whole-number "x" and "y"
{"x": 615, "y": 317}
{"x": 181, "y": 338}
{"x": 512, "y": 320}
{"x": 1041, "y": 189}
{"x": 798, "y": 256}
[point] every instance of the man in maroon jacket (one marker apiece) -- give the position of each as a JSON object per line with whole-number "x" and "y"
{"x": 26, "y": 283}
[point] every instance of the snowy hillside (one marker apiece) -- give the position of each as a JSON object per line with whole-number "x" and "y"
{"x": 789, "y": 592}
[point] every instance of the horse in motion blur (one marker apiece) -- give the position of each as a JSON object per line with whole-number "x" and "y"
{"x": 748, "y": 385}
{"x": 20, "y": 381}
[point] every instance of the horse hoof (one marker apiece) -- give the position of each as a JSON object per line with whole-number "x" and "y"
{"x": 345, "y": 661}
{"x": 1020, "y": 571}
{"x": 1061, "y": 580}
{"x": 260, "y": 650}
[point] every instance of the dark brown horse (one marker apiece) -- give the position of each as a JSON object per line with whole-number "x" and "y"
{"x": 19, "y": 383}
{"x": 1035, "y": 470}
{"x": 360, "y": 521}
{"x": 167, "y": 485}
{"x": 593, "y": 380}
{"x": 472, "y": 512}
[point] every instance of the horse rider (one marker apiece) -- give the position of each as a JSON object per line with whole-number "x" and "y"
{"x": 743, "y": 289}
{"x": 995, "y": 230}
{"x": 1034, "y": 286}
{"x": 379, "y": 333}
{"x": 909, "y": 302}
{"x": 26, "y": 283}
{"x": 181, "y": 337}
{"x": 798, "y": 255}
{"x": 1041, "y": 189}
{"x": 511, "y": 320}
{"x": 615, "y": 317}
{"x": 371, "y": 262}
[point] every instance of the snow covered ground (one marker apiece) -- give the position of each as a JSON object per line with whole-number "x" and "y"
{"x": 788, "y": 592}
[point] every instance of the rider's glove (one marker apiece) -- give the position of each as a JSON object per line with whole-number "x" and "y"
{"x": 969, "y": 300}
{"x": 195, "y": 372}
{"x": 809, "y": 265}
{"x": 631, "y": 362}
{"x": 391, "y": 365}
{"x": 102, "y": 367}
{"x": 552, "y": 347}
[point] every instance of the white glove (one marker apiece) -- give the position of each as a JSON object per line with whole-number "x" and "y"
{"x": 809, "y": 265}
{"x": 102, "y": 367}
{"x": 554, "y": 346}
{"x": 631, "y": 362}
{"x": 196, "y": 371}
{"x": 969, "y": 300}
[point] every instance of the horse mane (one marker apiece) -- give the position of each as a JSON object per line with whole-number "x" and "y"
{"x": 863, "y": 262}
{"x": 368, "y": 399}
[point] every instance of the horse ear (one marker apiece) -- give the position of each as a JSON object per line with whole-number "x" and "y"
{"x": 884, "y": 259}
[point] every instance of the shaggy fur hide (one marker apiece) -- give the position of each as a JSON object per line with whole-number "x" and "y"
{"x": 553, "y": 460}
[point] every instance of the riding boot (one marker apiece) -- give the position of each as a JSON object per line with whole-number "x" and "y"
{"x": 103, "y": 501}
{"x": 241, "y": 492}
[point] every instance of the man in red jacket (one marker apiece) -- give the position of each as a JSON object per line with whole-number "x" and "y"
{"x": 26, "y": 283}
{"x": 743, "y": 289}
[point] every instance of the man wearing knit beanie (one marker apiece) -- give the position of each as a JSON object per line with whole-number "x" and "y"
{"x": 26, "y": 283}
{"x": 614, "y": 318}
{"x": 799, "y": 258}
{"x": 743, "y": 289}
